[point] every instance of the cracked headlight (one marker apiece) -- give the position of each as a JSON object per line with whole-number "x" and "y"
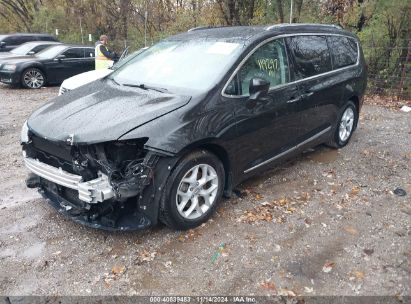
{"x": 9, "y": 67}
{"x": 24, "y": 135}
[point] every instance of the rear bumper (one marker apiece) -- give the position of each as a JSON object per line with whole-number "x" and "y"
{"x": 12, "y": 78}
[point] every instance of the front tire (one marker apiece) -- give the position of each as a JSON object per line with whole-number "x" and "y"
{"x": 193, "y": 191}
{"x": 346, "y": 125}
{"x": 33, "y": 78}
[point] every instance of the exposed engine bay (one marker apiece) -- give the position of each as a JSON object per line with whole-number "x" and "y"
{"x": 100, "y": 185}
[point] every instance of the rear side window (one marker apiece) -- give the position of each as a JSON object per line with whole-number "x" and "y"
{"x": 269, "y": 62}
{"x": 40, "y": 48}
{"x": 45, "y": 38}
{"x": 89, "y": 53}
{"x": 344, "y": 51}
{"x": 12, "y": 40}
{"x": 311, "y": 55}
{"x": 74, "y": 53}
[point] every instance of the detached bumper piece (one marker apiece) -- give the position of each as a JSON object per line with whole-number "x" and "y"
{"x": 92, "y": 192}
{"x": 92, "y": 203}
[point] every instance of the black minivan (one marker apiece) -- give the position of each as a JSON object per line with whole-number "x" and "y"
{"x": 165, "y": 136}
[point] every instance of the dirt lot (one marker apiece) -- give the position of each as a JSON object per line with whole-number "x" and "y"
{"x": 327, "y": 223}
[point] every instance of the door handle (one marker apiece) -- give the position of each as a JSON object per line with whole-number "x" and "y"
{"x": 306, "y": 95}
{"x": 294, "y": 100}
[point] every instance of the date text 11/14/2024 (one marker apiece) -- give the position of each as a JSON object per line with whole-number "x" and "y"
{"x": 202, "y": 299}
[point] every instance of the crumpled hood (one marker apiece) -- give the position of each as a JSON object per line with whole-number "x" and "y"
{"x": 101, "y": 111}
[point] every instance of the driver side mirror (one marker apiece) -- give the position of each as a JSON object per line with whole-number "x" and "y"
{"x": 258, "y": 88}
{"x": 2, "y": 44}
{"x": 59, "y": 57}
{"x": 31, "y": 53}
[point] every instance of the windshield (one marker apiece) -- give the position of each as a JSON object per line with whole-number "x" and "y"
{"x": 23, "y": 49}
{"x": 51, "y": 52}
{"x": 127, "y": 59}
{"x": 191, "y": 64}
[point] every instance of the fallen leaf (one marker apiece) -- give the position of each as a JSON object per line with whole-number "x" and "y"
{"x": 305, "y": 196}
{"x": 328, "y": 266}
{"x": 268, "y": 285}
{"x": 354, "y": 191}
{"x": 282, "y": 201}
{"x": 359, "y": 275}
{"x": 168, "y": 264}
{"x": 145, "y": 256}
{"x": 118, "y": 269}
{"x": 308, "y": 289}
{"x": 284, "y": 292}
{"x": 351, "y": 230}
{"x": 190, "y": 235}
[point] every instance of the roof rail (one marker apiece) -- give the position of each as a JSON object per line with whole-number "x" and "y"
{"x": 270, "y": 27}
{"x": 198, "y": 28}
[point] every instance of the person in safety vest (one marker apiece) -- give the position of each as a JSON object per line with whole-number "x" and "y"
{"x": 104, "y": 58}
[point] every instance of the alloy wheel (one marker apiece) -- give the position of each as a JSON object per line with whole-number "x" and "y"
{"x": 346, "y": 124}
{"x": 197, "y": 191}
{"x": 33, "y": 79}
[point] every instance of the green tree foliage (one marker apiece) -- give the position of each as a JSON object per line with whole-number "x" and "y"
{"x": 383, "y": 26}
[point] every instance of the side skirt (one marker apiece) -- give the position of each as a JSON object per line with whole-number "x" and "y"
{"x": 312, "y": 138}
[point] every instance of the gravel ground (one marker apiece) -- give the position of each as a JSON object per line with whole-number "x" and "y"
{"x": 326, "y": 223}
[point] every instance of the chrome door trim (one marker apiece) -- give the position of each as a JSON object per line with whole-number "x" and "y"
{"x": 289, "y": 150}
{"x": 240, "y": 65}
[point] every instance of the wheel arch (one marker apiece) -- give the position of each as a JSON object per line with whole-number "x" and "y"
{"x": 35, "y": 66}
{"x": 221, "y": 153}
{"x": 354, "y": 99}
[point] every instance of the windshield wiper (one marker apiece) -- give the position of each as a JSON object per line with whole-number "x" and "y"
{"x": 145, "y": 87}
{"x": 112, "y": 79}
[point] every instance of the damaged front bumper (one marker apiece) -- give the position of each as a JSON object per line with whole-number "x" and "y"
{"x": 112, "y": 186}
{"x": 92, "y": 192}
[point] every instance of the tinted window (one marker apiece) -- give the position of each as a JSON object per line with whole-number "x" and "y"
{"x": 74, "y": 53}
{"x": 24, "y": 39}
{"x": 51, "y": 52}
{"x": 344, "y": 51}
{"x": 40, "y": 48}
{"x": 269, "y": 62}
{"x": 89, "y": 53}
{"x": 311, "y": 55}
{"x": 45, "y": 38}
{"x": 11, "y": 40}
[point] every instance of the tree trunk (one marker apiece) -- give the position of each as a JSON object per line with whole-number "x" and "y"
{"x": 298, "y": 7}
{"x": 280, "y": 11}
{"x": 124, "y": 11}
{"x": 404, "y": 70}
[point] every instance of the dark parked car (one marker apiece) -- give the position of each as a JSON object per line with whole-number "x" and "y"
{"x": 50, "y": 66}
{"x": 27, "y": 49}
{"x": 11, "y": 41}
{"x": 165, "y": 135}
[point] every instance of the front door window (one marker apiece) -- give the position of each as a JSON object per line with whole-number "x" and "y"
{"x": 268, "y": 62}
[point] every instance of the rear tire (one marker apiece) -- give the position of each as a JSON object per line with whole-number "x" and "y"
{"x": 193, "y": 191}
{"x": 345, "y": 127}
{"x": 33, "y": 78}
